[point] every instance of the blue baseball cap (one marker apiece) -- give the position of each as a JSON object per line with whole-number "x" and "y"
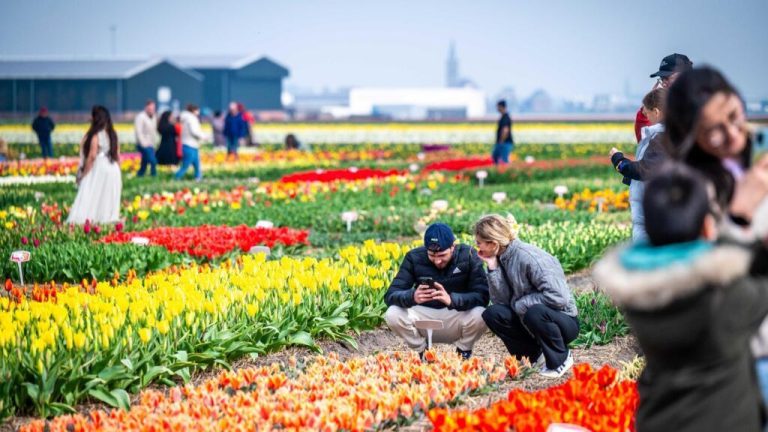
{"x": 438, "y": 237}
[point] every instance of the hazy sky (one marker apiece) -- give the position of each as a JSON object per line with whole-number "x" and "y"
{"x": 570, "y": 48}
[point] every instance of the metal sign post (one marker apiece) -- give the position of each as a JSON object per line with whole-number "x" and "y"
{"x": 19, "y": 257}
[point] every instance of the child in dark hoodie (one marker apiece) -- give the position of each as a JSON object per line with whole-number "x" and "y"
{"x": 693, "y": 306}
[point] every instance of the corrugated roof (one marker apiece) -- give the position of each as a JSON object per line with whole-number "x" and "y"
{"x": 223, "y": 62}
{"x": 78, "y": 69}
{"x": 63, "y": 69}
{"x": 208, "y": 62}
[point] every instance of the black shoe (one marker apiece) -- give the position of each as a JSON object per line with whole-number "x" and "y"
{"x": 421, "y": 356}
{"x": 465, "y": 355}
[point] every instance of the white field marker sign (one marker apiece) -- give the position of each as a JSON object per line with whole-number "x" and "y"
{"x": 481, "y": 176}
{"x": 561, "y": 190}
{"x": 499, "y": 197}
{"x": 349, "y": 217}
{"x": 265, "y": 224}
{"x": 439, "y": 205}
{"x": 141, "y": 241}
{"x": 428, "y": 325}
{"x": 20, "y": 256}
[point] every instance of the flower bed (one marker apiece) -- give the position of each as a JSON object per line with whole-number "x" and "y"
{"x": 105, "y": 338}
{"x": 596, "y": 400}
{"x": 64, "y": 166}
{"x": 213, "y": 241}
{"x": 600, "y": 200}
{"x": 325, "y": 394}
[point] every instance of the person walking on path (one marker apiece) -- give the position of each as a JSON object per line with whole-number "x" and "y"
{"x": 191, "y": 137}
{"x": 43, "y": 126}
{"x": 235, "y": 129}
{"x": 504, "y": 142}
{"x": 167, "y": 152}
{"x": 145, "y": 126}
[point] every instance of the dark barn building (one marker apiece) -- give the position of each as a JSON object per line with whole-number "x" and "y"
{"x": 77, "y": 85}
{"x": 255, "y": 81}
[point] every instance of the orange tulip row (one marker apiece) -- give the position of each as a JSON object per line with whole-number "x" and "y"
{"x": 595, "y": 400}
{"x": 323, "y": 394}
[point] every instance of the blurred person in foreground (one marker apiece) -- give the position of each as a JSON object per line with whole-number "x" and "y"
{"x": 439, "y": 281}
{"x": 707, "y": 129}
{"x": 693, "y": 305}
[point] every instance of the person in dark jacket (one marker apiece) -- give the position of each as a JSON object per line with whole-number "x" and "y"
{"x": 235, "y": 128}
{"x": 693, "y": 306}
{"x": 707, "y": 129}
{"x": 167, "y": 153}
{"x": 671, "y": 66}
{"x": 43, "y": 126}
{"x": 533, "y": 312}
{"x": 456, "y": 295}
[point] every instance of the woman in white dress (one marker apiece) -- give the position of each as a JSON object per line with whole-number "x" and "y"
{"x": 99, "y": 180}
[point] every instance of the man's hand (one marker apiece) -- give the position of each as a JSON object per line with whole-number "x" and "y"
{"x": 423, "y": 294}
{"x": 441, "y": 295}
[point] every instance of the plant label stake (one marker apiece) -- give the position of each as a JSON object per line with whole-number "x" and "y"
{"x": 600, "y": 201}
{"x": 265, "y": 224}
{"x": 439, "y": 205}
{"x": 141, "y": 241}
{"x": 19, "y": 257}
{"x": 260, "y": 249}
{"x": 561, "y": 190}
{"x": 499, "y": 197}
{"x": 481, "y": 176}
{"x": 428, "y": 325}
{"x": 349, "y": 217}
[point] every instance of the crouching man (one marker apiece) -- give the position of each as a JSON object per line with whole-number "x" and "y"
{"x": 439, "y": 281}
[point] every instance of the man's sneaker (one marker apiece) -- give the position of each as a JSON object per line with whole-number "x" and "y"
{"x": 421, "y": 356}
{"x": 540, "y": 362}
{"x": 560, "y": 370}
{"x": 465, "y": 355}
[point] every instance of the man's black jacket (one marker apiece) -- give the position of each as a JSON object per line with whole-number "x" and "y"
{"x": 463, "y": 278}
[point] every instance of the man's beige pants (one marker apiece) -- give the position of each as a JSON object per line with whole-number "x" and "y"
{"x": 461, "y": 328}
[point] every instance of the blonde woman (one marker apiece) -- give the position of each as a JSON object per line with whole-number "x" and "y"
{"x": 533, "y": 311}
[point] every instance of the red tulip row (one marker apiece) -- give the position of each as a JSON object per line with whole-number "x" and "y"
{"x": 213, "y": 241}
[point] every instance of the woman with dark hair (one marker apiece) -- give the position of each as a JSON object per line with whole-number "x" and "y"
{"x": 167, "y": 152}
{"x": 707, "y": 129}
{"x": 98, "y": 177}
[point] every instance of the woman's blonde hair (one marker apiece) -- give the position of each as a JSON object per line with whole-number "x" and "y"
{"x": 497, "y": 228}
